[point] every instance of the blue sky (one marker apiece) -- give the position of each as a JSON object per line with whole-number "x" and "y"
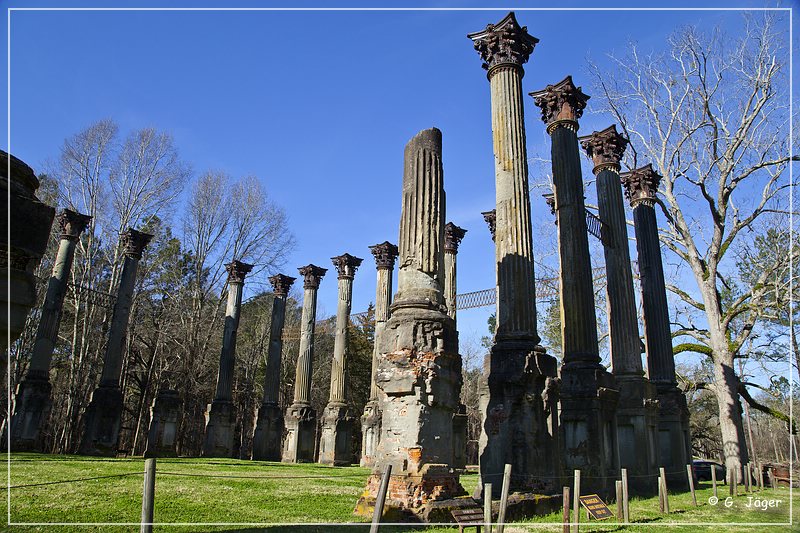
{"x": 317, "y": 104}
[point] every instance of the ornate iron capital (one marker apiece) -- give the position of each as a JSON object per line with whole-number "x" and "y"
{"x": 237, "y": 271}
{"x": 134, "y": 242}
{"x": 346, "y": 265}
{"x": 281, "y": 284}
{"x": 491, "y": 220}
{"x": 505, "y": 43}
{"x": 452, "y": 237}
{"x": 605, "y": 148}
{"x": 641, "y": 185}
{"x": 385, "y": 254}
{"x": 312, "y": 275}
{"x": 72, "y": 224}
{"x": 562, "y": 104}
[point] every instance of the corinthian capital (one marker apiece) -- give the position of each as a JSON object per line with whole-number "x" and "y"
{"x": 312, "y": 275}
{"x": 641, "y": 185}
{"x": 562, "y": 104}
{"x": 605, "y": 148}
{"x": 237, "y": 271}
{"x": 385, "y": 254}
{"x": 281, "y": 284}
{"x": 133, "y": 242}
{"x": 346, "y": 265}
{"x": 72, "y": 224}
{"x": 491, "y": 220}
{"x": 452, "y": 237}
{"x": 504, "y": 43}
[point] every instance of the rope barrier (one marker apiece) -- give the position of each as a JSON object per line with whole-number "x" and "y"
{"x": 226, "y": 476}
{"x": 70, "y": 481}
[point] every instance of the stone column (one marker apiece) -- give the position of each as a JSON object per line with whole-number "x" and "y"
{"x": 103, "y": 416}
{"x": 514, "y": 426}
{"x": 674, "y": 447}
{"x": 269, "y": 420}
{"x": 165, "y": 416}
{"x": 452, "y": 239}
{"x": 637, "y": 408}
{"x": 33, "y": 401}
{"x": 221, "y": 413}
{"x": 588, "y": 391}
{"x": 419, "y": 371}
{"x": 301, "y": 418}
{"x": 338, "y": 423}
{"x": 385, "y": 255}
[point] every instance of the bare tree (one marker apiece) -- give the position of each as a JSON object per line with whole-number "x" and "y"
{"x": 710, "y": 114}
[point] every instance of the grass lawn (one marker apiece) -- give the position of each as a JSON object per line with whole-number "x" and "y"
{"x": 252, "y": 493}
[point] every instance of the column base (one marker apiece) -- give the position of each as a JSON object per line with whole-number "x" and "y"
{"x": 589, "y": 398}
{"x": 103, "y": 420}
{"x": 674, "y": 444}
{"x": 336, "y": 440}
{"x": 301, "y": 434}
{"x": 220, "y": 429}
{"x": 370, "y": 432}
{"x": 637, "y": 433}
{"x": 460, "y": 437}
{"x": 515, "y": 396}
{"x": 164, "y": 424}
{"x": 31, "y": 408}
{"x": 268, "y": 433}
{"x": 411, "y": 495}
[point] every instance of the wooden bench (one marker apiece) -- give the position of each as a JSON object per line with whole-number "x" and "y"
{"x": 468, "y": 518}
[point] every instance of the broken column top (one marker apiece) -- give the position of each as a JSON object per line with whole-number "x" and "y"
{"x": 281, "y": 284}
{"x": 491, "y": 220}
{"x": 641, "y": 185}
{"x": 237, "y": 271}
{"x": 72, "y": 224}
{"x": 422, "y": 220}
{"x": 605, "y": 148}
{"x": 561, "y": 104}
{"x": 312, "y": 275}
{"x": 452, "y": 237}
{"x": 346, "y": 265}
{"x": 385, "y": 253}
{"x": 504, "y": 43}
{"x": 133, "y": 242}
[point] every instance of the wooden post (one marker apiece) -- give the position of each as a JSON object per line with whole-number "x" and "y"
{"x": 148, "y": 495}
{"x": 576, "y": 502}
{"x": 714, "y": 480}
{"x": 664, "y": 493}
{"x": 761, "y": 476}
{"x": 626, "y": 511}
{"x": 501, "y": 514}
{"x": 565, "y": 515}
{"x": 380, "y": 500}
{"x": 487, "y": 506}
{"x": 691, "y": 484}
{"x": 748, "y": 485}
{"x": 735, "y": 482}
{"x": 618, "y": 486}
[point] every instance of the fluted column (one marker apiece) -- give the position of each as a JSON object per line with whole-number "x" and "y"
{"x": 301, "y": 418}
{"x": 588, "y": 392}
{"x": 385, "y": 255}
{"x": 513, "y": 431}
{"x": 636, "y": 412}
{"x": 269, "y": 420}
{"x": 221, "y": 412}
{"x": 419, "y": 371}
{"x": 104, "y": 414}
{"x": 33, "y": 394}
{"x": 562, "y": 105}
{"x": 452, "y": 239}
{"x": 337, "y": 421}
{"x": 674, "y": 441}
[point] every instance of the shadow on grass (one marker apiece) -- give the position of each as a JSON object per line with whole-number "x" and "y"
{"x": 343, "y": 528}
